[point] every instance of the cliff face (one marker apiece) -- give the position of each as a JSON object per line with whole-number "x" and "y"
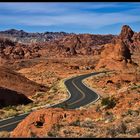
{"x": 122, "y": 52}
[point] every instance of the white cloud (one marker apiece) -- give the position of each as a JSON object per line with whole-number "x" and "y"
{"x": 92, "y": 21}
{"x": 58, "y": 7}
{"x": 63, "y": 15}
{"x": 25, "y": 7}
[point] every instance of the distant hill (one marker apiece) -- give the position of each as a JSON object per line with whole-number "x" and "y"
{"x": 25, "y": 37}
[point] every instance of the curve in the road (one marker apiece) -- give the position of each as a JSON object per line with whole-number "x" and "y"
{"x": 80, "y": 95}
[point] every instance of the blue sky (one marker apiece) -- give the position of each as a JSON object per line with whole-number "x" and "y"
{"x": 76, "y": 17}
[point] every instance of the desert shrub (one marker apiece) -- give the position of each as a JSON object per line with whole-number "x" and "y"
{"x": 109, "y": 117}
{"x": 135, "y": 87}
{"x": 4, "y": 134}
{"x": 1, "y": 112}
{"x": 19, "y": 107}
{"x": 133, "y": 131}
{"x": 51, "y": 134}
{"x": 88, "y": 123}
{"x": 9, "y": 107}
{"x": 38, "y": 94}
{"x": 11, "y": 113}
{"x": 76, "y": 123}
{"x": 111, "y": 131}
{"x": 61, "y": 85}
{"x": 66, "y": 132}
{"x": 28, "y": 108}
{"x": 63, "y": 105}
{"x": 129, "y": 112}
{"x": 122, "y": 128}
{"x": 98, "y": 109}
{"x": 133, "y": 112}
{"x": 54, "y": 131}
{"x": 129, "y": 103}
{"x": 128, "y": 119}
{"x": 53, "y": 89}
{"x": 116, "y": 130}
{"x": 57, "y": 126}
{"x": 105, "y": 87}
{"x": 108, "y": 102}
{"x": 138, "y": 128}
{"x": 118, "y": 85}
{"x": 108, "y": 113}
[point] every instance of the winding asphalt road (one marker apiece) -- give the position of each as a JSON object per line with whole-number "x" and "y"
{"x": 79, "y": 95}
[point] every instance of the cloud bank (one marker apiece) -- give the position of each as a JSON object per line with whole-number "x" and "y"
{"x": 87, "y": 15}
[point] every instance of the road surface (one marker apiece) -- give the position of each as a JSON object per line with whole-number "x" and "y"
{"x": 80, "y": 95}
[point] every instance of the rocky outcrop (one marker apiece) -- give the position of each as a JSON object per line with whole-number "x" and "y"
{"x": 66, "y": 46}
{"x": 126, "y": 33}
{"x": 46, "y": 117}
{"x": 77, "y": 45}
{"x": 85, "y": 44}
{"x": 122, "y": 52}
{"x": 10, "y": 50}
{"x": 42, "y": 122}
{"x": 15, "y": 81}
{"x": 102, "y": 123}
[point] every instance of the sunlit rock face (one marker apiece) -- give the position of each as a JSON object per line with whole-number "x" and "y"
{"x": 122, "y": 52}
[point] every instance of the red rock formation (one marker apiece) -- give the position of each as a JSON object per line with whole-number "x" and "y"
{"x": 121, "y": 52}
{"x": 40, "y": 122}
{"x": 69, "y": 45}
{"x": 10, "y": 97}
{"x": 50, "y": 117}
{"x": 126, "y": 33}
{"x": 15, "y": 81}
{"x": 77, "y": 45}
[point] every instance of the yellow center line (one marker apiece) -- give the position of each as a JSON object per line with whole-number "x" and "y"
{"x": 9, "y": 124}
{"x": 83, "y": 94}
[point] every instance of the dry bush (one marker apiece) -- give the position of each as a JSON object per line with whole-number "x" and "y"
{"x": 4, "y": 134}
